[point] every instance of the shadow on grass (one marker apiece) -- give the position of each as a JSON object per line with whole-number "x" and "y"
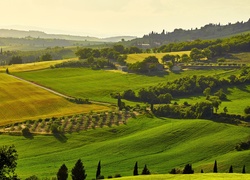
{"x": 28, "y": 136}
{"x": 60, "y": 137}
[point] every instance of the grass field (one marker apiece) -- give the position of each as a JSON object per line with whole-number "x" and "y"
{"x": 21, "y": 101}
{"x": 210, "y": 176}
{"x": 238, "y": 100}
{"x": 132, "y": 58}
{"x": 162, "y": 144}
{"x": 98, "y": 84}
{"x": 31, "y": 66}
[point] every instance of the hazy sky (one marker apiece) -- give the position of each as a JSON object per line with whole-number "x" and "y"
{"x": 103, "y": 18}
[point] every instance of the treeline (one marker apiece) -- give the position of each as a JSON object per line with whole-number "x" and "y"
{"x": 209, "y": 31}
{"x": 21, "y": 57}
{"x": 218, "y": 47}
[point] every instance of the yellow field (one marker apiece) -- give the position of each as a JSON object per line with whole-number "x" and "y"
{"x": 22, "y": 101}
{"x": 31, "y": 66}
{"x": 132, "y": 58}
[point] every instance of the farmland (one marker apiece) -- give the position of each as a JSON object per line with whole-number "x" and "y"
{"x": 22, "y": 101}
{"x": 160, "y": 143}
{"x": 97, "y": 85}
{"x": 132, "y": 58}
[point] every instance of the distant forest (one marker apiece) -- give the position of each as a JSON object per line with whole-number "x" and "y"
{"x": 209, "y": 31}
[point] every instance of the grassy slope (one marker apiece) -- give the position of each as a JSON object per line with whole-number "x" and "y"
{"x": 132, "y": 58}
{"x": 31, "y": 66}
{"x": 21, "y": 101}
{"x": 238, "y": 99}
{"x": 97, "y": 85}
{"x": 162, "y": 144}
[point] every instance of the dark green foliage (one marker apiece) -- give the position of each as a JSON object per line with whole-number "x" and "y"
{"x": 145, "y": 170}
{"x": 188, "y": 169}
{"x": 98, "y": 171}
{"x": 243, "y": 146}
{"x": 46, "y": 57}
{"x": 7, "y": 71}
{"x": 8, "y": 158}
{"x": 16, "y": 60}
{"x": 244, "y": 169}
{"x": 247, "y": 110}
{"x": 221, "y": 95}
{"x": 215, "y": 170}
{"x": 26, "y": 132}
{"x": 34, "y": 177}
{"x": 117, "y": 176}
{"x": 78, "y": 171}
{"x": 202, "y": 171}
{"x": 135, "y": 173}
{"x": 62, "y": 173}
{"x": 231, "y": 169}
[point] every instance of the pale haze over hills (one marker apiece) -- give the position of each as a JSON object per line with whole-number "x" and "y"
{"x": 108, "y": 18}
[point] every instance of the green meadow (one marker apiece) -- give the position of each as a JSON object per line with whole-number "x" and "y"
{"x": 98, "y": 84}
{"x": 160, "y": 143}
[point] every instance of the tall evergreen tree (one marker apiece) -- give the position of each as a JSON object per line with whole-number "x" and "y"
{"x": 231, "y": 169}
{"x": 215, "y": 167}
{"x": 98, "y": 171}
{"x": 119, "y": 102}
{"x": 78, "y": 171}
{"x": 62, "y": 173}
{"x": 145, "y": 170}
{"x": 244, "y": 169}
{"x": 188, "y": 169}
{"x": 135, "y": 173}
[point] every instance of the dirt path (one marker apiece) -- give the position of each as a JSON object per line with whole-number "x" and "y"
{"x": 55, "y": 92}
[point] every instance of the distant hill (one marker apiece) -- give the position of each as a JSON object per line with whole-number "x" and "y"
{"x": 11, "y": 33}
{"x": 209, "y": 31}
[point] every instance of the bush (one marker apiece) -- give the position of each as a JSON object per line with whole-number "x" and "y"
{"x": 117, "y": 176}
{"x": 26, "y": 132}
{"x": 247, "y": 110}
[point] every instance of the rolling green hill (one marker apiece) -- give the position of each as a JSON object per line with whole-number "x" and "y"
{"x": 22, "y": 101}
{"x": 160, "y": 143}
{"x": 97, "y": 85}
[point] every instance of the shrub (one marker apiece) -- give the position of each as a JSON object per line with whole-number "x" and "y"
{"x": 117, "y": 176}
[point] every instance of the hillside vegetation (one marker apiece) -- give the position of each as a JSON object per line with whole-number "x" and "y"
{"x": 160, "y": 143}
{"x": 22, "y": 101}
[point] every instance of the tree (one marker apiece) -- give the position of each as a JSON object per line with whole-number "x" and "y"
{"x": 244, "y": 169}
{"x": 7, "y": 71}
{"x": 231, "y": 169}
{"x": 188, "y": 169}
{"x": 167, "y": 58}
{"x": 247, "y": 110}
{"x": 98, "y": 171}
{"x": 196, "y": 54}
{"x": 16, "y": 60}
{"x": 215, "y": 170}
{"x": 165, "y": 98}
{"x": 62, "y": 173}
{"x": 135, "y": 173}
{"x": 207, "y": 91}
{"x": 145, "y": 170}
{"x": 8, "y": 158}
{"x": 225, "y": 110}
{"x": 78, "y": 171}
{"x": 46, "y": 57}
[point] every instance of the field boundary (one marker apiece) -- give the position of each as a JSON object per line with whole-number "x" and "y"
{"x": 55, "y": 92}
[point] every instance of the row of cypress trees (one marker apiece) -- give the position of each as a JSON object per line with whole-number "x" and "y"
{"x": 78, "y": 171}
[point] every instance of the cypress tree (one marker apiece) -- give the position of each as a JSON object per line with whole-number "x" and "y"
{"x": 215, "y": 167}
{"x": 136, "y": 169}
{"x": 78, "y": 171}
{"x": 188, "y": 169}
{"x": 244, "y": 169}
{"x": 98, "y": 171}
{"x": 119, "y": 102}
{"x": 62, "y": 173}
{"x": 202, "y": 171}
{"x": 145, "y": 170}
{"x": 231, "y": 169}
